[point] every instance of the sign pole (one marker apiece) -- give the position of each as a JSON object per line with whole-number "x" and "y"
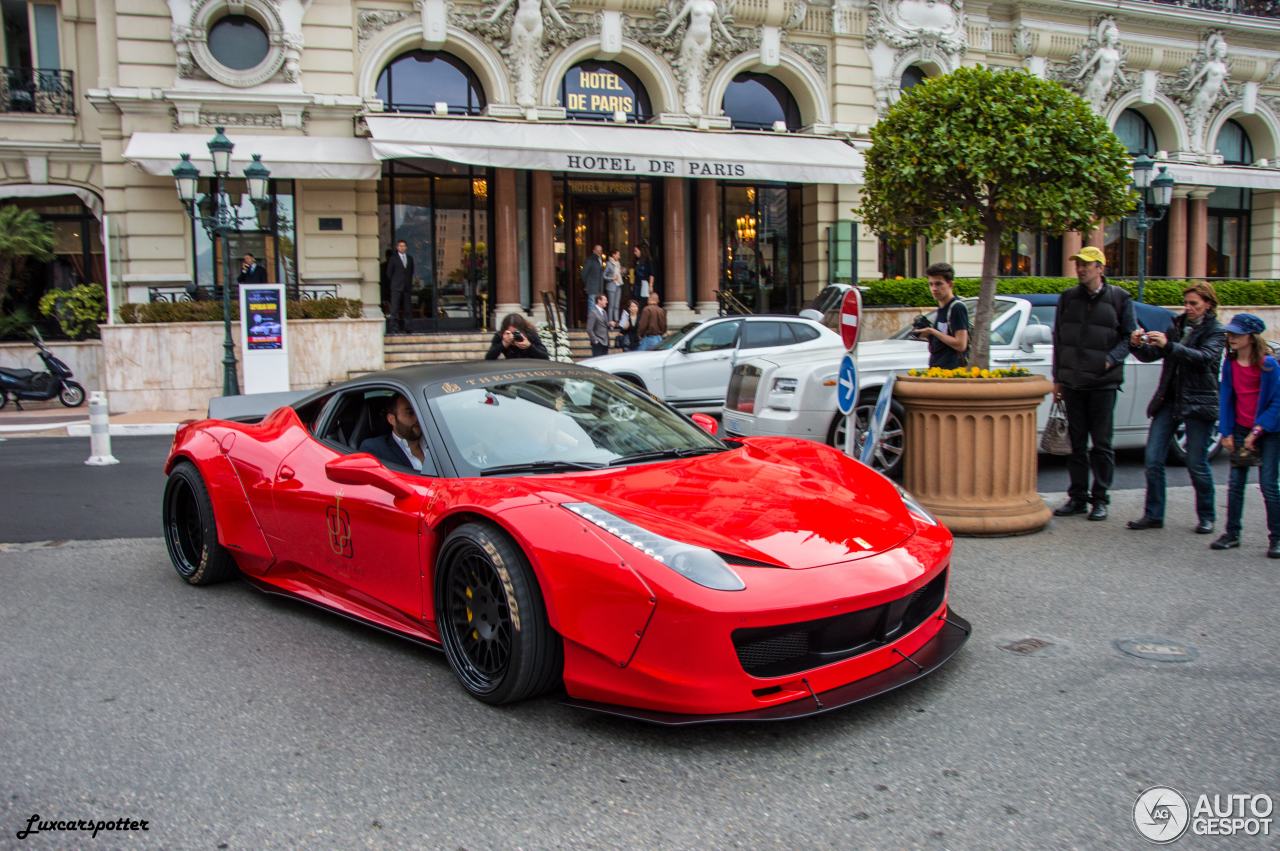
{"x": 847, "y": 382}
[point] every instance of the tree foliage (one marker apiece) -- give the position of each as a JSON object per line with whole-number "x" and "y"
{"x": 981, "y": 154}
{"x": 22, "y": 234}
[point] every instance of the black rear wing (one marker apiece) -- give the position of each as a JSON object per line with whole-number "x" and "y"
{"x": 252, "y": 407}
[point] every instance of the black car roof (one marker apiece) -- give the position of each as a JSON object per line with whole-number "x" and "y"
{"x": 1152, "y": 317}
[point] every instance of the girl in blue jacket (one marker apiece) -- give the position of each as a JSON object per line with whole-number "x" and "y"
{"x": 1249, "y": 413}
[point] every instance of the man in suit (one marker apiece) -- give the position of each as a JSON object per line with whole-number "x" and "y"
{"x": 593, "y": 276}
{"x": 598, "y": 326}
{"x": 404, "y": 446}
{"x": 400, "y": 278}
{"x": 251, "y": 272}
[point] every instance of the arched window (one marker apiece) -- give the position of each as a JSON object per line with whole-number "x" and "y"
{"x": 594, "y": 91}
{"x": 1234, "y": 144}
{"x": 756, "y": 101}
{"x": 418, "y": 80}
{"x": 1135, "y": 132}
{"x": 913, "y": 76}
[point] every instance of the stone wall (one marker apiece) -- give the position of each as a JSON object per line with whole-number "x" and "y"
{"x": 178, "y": 366}
{"x": 84, "y": 358}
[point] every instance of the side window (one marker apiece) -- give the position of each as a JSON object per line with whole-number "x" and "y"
{"x": 1002, "y": 333}
{"x": 719, "y": 336}
{"x": 757, "y": 335}
{"x": 803, "y": 333}
{"x": 1042, "y": 314}
{"x": 309, "y": 414}
{"x": 357, "y": 415}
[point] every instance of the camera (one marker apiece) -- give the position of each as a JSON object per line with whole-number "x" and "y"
{"x": 921, "y": 322}
{"x": 517, "y": 336}
{"x": 1146, "y": 339}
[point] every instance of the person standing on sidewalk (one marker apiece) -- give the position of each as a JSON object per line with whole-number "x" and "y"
{"x": 1090, "y": 343}
{"x": 1188, "y": 394}
{"x": 948, "y": 338}
{"x": 652, "y": 324}
{"x": 1249, "y": 419}
{"x": 598, "y": 326}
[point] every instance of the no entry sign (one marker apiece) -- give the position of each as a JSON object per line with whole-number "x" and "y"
{"x": 850, "y": 317}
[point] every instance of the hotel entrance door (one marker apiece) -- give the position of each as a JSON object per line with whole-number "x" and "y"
{"x": 613, "y": 214}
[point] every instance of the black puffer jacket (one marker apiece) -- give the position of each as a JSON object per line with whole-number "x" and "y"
{"x": 1091, "y": 337}
{"x": 1192, "y": 360}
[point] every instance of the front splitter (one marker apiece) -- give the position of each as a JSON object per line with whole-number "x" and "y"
{"x": 927, "y": 659}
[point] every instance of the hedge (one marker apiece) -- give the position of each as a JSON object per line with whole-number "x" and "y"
{"x": 211, "y": 311}
{"x": 915, "y": 291}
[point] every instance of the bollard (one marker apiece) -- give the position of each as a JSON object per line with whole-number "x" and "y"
{"x": 99, "y": 432}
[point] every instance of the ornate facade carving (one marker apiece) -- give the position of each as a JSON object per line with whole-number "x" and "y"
{"x": 370, "y": 22}
{"x": 255, "y": 120}
{"x": 1199, "y": 87}
{"x": 518, "y": 25}
{"x": 815, "y": 55}
{"x": 1098, "y": 67}
{"x": 904, "y": 31}
{"x": 708, "y": 38}
{"x": 281, "y": 19}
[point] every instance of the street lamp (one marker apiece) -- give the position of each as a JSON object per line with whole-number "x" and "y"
{"x": 223, "y": 220}
{"x": 1161, "y": 194}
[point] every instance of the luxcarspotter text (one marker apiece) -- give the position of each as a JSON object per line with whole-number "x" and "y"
{"x": 36, "y": 825}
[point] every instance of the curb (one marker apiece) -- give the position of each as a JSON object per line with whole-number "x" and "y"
{"x": 125, "y": 429}
{"x": 20, "y": 429}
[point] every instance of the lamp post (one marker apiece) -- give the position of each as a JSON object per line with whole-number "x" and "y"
{"x": 1161, "y": 191}
{"x": 223, "y": 220}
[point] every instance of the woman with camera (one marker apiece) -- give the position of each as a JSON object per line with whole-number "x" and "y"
{"x": 516, "y": 338}
{"x": 1187, "y": 393}
{"x": 1249, "y": 419}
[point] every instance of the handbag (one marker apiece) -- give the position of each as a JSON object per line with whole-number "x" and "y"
{"x": 1243, "y": 456}
{"x": 1056, "y": 439}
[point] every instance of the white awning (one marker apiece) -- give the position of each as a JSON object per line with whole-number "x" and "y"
{"x": 1229, "y": 176}
{"x": 305, "y": 157}
{"x": 51, "y": 190}
{"x": 618, "y": 150}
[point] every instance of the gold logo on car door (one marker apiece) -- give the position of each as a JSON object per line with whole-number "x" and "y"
{"x": 338, "y": 522}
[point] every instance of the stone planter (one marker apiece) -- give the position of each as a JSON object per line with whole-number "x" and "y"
{"x": 971, "y": 451}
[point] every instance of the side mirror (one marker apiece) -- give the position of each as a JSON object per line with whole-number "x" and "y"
{"x": 363, "y": 469}
{"x": 706, "y": 422}
{"x": 1035, "y": 335}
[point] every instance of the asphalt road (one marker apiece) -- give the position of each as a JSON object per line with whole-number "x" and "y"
{"x": 47, "y": 492}
{"x": 230, "y": 719}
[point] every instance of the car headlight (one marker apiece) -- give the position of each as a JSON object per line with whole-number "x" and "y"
{"x": 784, "y": 385}
{"x": 696, "y": 564}
{"x": 916, "y": 508}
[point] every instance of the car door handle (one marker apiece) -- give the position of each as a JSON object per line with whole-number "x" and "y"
{"x": 285, "y": 474}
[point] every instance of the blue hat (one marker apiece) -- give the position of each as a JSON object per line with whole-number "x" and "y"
{"x": 1246, "y": 323}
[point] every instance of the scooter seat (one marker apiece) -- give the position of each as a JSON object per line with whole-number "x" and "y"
{"x": 19, "y": 374}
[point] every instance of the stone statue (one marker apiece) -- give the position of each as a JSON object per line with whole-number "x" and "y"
{"x": 181, "y": 36}
{"x": 1102, "y": 67}
{"x": 525, "y": 46}
{"x": 1207, "y": 83}
{"x": 696, "y": 46}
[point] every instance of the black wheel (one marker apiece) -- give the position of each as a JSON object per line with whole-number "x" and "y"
{"x": 888, "y": 455}
{"x": 492, "y": 621}
{"x": 1178, "y": 448}
{"x": 190, "y": 533}
{"x": 71, "y": 394}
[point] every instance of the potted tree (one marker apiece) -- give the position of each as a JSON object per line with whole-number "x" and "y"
{"x": 981, "y": 154}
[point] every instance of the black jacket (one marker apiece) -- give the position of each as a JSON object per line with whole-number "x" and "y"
{"x": 256, "y": 275}
{"x": 399, "y": 274}
{"x": 1091, "y": 337}
{"x": 1189, "y": 378}
{"x": 385, "y": 449}
{"x": 536, "y": 351}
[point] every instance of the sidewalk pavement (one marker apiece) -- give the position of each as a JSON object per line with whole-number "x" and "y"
{"x": 51, "y": 419}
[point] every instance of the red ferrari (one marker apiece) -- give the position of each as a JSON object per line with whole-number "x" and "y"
{"x": 553, "y": 527}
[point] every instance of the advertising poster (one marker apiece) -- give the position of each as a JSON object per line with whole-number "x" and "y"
{"x": 265, "y": 330}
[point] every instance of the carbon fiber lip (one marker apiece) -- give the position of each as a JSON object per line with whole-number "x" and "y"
{"x": 931, "y": 656}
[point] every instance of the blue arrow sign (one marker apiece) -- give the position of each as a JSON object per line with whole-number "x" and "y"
{"x": 847, "y": 384}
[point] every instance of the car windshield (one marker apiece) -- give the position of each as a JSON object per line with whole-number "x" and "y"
{"x": 1000, "y": 313}
{"x": 670, "y": 341}
{"x": 555, "y": 420}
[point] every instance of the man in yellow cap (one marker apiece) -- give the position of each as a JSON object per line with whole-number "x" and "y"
{"x": 1090, "y": 343}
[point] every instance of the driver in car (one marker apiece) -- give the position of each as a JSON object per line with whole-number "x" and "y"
{"x": 404, "y": 446}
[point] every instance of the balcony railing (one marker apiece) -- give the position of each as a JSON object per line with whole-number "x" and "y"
{"x": 1256, "y": 8}
{"x": 44, "y": 91}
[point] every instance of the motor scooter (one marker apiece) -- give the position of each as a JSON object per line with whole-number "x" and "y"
{"x": 20, "y": 384}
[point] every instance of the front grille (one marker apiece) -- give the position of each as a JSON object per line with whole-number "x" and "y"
{"x": 778, "y": 651}
{"x": 741, "y": 394}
